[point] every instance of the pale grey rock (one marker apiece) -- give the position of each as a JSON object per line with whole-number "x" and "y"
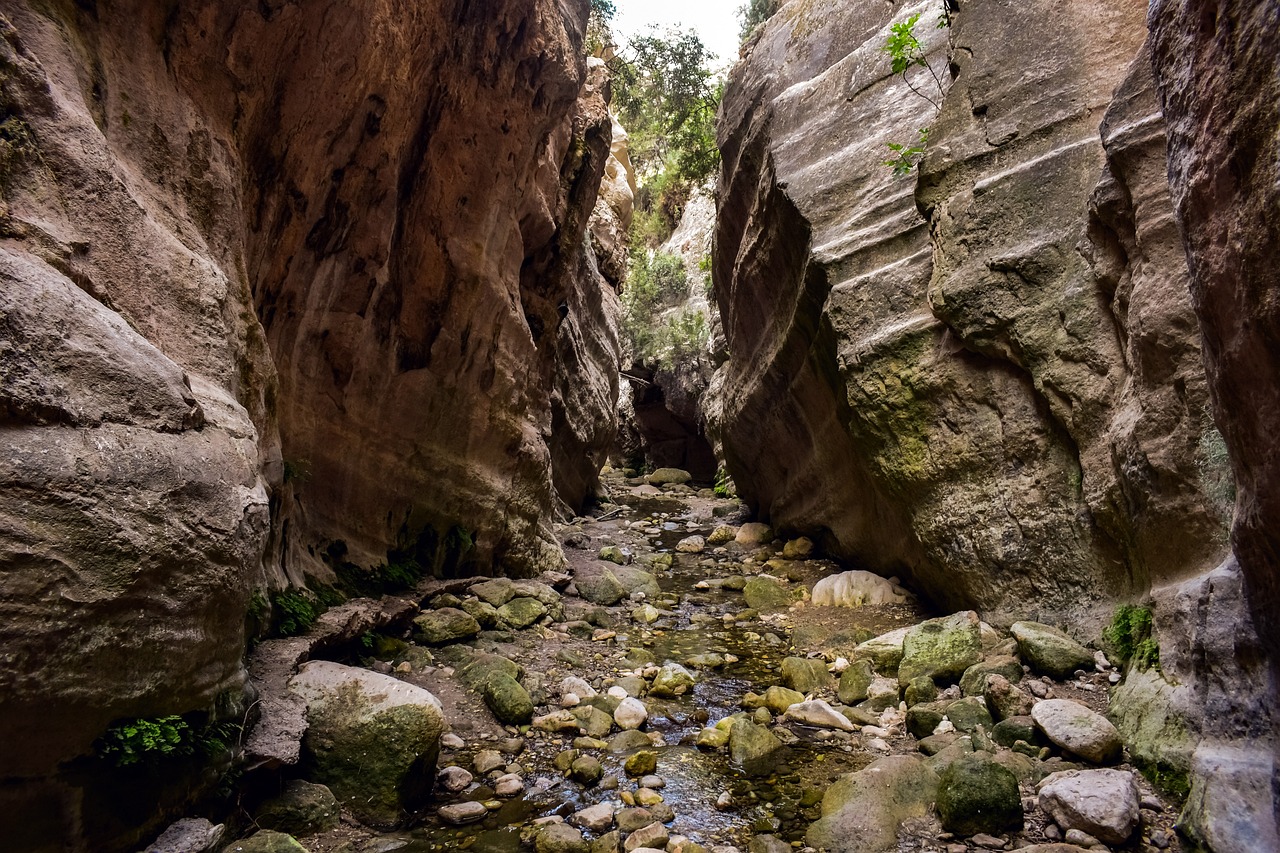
{"x": 820, "y": 714}
{"x": 1103, "y": 803}
{"x": 630, "y": 713}
{"x": 1078, "y": 730}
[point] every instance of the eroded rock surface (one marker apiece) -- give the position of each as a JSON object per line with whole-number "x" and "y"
{"x": 285, "y": 290}
{"x": 966, "y": 397}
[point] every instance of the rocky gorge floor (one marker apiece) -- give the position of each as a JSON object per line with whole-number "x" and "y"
{"x": 683, "y": 689}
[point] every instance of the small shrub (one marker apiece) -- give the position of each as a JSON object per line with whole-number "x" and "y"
{"x": 1129, "y": 636}
{"x": 1216, "y": 478}
{"x": 906, "y": 157}
{"x": 721, "y": 487}
{"x": 297, "y": 470}
{"x": 906, "y": 53}
{"x": 295, "y": 612}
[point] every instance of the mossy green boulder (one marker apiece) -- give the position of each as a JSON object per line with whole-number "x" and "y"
{"x": 805, "y": 675}
{"x": 1050, "y": 651}
{"x": 763, "y": 592}
{"x": 754, "y": 749}
{"x": 303, "y": 808}
{"x": 975, "y": 677}
{"x": 941, "y": 649}
{"x": 446, "y": 625}
{"x": 521, "y": 612}
{"x": 507, "y": 699}
{"x": 854, "y": 682}
{"x": 373, "y": 740}
{"x": 976, "y": 795}
{"x": 861, "y": 812}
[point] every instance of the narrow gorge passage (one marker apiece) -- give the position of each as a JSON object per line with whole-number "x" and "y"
{"x": 843, "y": 426}
{"x": 681, "y": 624}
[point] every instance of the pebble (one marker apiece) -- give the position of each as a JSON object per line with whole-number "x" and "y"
{"x": 1080, "y": 838}
{"x": 455, "y": 779}
{"x": 990, "y": 842}
{"x": 487, "y": 760}
{"x": 597, "y": 818}
{"x": 458, "y": 814}
{"x": 509, "y": 785}
{"x": 452, "y": 741}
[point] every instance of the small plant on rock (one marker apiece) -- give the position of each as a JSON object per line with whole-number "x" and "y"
{"x": 1129, "y": 636}
{"x": 906, "y": 53}
{"x": 295, "y": 612}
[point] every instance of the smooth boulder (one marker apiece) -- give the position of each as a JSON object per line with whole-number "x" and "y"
{"x": 754, "y": 748}
{"x": 373, "y": 740}
{"x": 861, "y": 811}
{"x": 1049, "y": 651}
{"x": 978, "y": 795}
{"x": 941, "y": 649}
{"x": 446, "y": 625}
{"x": 1078, "y": 730}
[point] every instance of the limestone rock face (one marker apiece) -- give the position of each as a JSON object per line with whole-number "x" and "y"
{"x": 282, "y": 288}
{"x": 963, "y": 398}
{"x": 133, "y": 377}
{"x": 1216, "y": 73}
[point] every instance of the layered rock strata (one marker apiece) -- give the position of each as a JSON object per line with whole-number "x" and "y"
{"x": 286, "y": 289}
{"x": 987, "y": 378}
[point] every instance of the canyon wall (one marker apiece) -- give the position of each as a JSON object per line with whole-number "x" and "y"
{"x": 286, "y": 290}
{"x": 985, "y": 375}
{"x": 992, "y": 371}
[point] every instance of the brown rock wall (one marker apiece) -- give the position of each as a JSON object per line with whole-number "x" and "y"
{"x": 283, "y": 286}
{"x": 1216, "y": 67}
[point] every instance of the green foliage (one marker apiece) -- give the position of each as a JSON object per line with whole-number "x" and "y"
{"x": 907, "y": 156}
{"x": 903, "y": 47}
{"x": 721, "y": 487}
{"x": 297, "y": 470}
{"x": 905, "y": 53}
{"x": 368, "y": 638}
{"x": 655, "y": 282}
{"x": 295, "y": 612}
{"x": 1129, "y": 636}
{"x": 147, "y": 740}
{"x": 684, "y": 337}
{"x": 754, "y": 13}
{"x": 599, "y": 38}
{"x": 259, "y": 607}
{"x": 666, "y": 95}
{"x": 1216, "y": 478}
{"x": 151, "y": 740}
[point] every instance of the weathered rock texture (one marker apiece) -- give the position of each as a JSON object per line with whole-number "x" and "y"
{"x": 1218, "y": 77}
{"x": 285, "y": 287}
{"x": 1217, "y": 66}
{"x": 1003, "y": 401}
